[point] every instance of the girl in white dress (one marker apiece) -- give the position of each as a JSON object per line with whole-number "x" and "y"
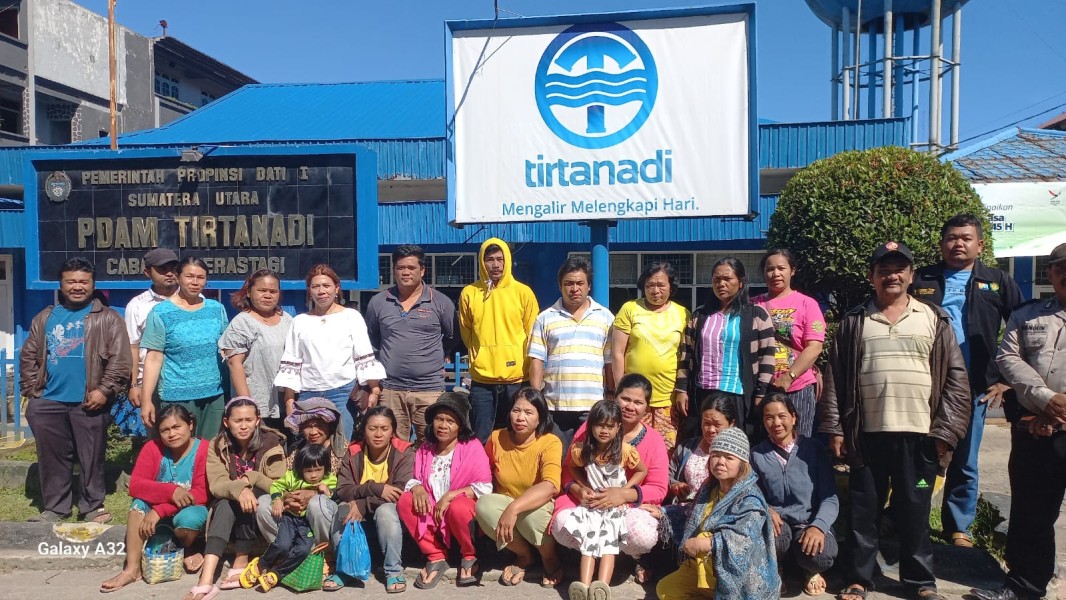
{"x": 598, "y": 463}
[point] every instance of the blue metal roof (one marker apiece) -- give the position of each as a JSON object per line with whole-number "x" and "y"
{"x": 796, "y": 145}
{"x": 262, "y": 113}
{"x": 1014, "y": 155}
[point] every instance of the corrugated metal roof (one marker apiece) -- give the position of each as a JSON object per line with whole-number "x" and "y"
{"x": 377, "y": 110}
{"x": 796, "y": 145}
{"x": 11, "y": 229}
{"x": 1014, "y": 155}
{"x": 404, "y": 122}
{"x": 424, "y": 223}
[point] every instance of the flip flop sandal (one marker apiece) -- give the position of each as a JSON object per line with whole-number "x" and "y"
{"x": 475, "y": 572}
{"x": 232, "y": 580}
{"x": 510, "y": 572}
{"x": 599, "y": 591}
{"x": 250, "y": 575}
{"x": 807, "y": 586}
{"x": 929, "y": 594}
{"x": 189, "y": 566}
{"x": 578, "y": 591}
{"x": 392, "y": 580}
{"x": 641, "y": 574}
{"x": 961, "y": 540}
{"x": 335, "y": 583}
{"x": 438, "y": 567}
{"x": 551, "y": 579}
{"x": 100, "y": 515}
{"x": 268, "y": 581}
{"x": 852, "y": 590}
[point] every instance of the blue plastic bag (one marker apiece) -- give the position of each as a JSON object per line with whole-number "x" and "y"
{"x": 353, "y": 554}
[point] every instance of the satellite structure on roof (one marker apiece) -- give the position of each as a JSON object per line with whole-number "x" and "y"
{"x": 882, "y": 68}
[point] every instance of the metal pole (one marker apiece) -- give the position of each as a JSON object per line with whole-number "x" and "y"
{"x": 899, "y": 76}
{"x": 916, "y": 77}
{"x": 111, "y": 68}
{"x": 934, "y": 77}
{"x": 871, "y": 77}
{"x": 600, "y": 236}
{"x": 835, "y": 79}
{"x": 858, "y": 59}
{"x": 845, "y": 72}
{"x": 956, "y": 70}
{"x": 886, "y": 87}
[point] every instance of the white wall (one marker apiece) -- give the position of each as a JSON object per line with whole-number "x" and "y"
{"x": 70, "y": 48}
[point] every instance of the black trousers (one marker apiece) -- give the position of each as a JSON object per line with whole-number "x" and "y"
{"x": 907, "y": 464}
{"x": 1037, "y": 470}
{"x": 228, "y": 522}
{"x": 64, "y": 432}
{"x": 293, "y": 544}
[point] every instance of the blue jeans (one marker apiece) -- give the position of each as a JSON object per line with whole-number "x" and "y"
{"x": 960, "y": 485}
{"x": 340, "y": 397}
{"x": 385, "y": 523}
{"x": 490, "y": 406}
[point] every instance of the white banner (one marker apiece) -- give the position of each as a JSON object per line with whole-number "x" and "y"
{"x": 613, "y": 120}
{"x": 1028, "y": 218}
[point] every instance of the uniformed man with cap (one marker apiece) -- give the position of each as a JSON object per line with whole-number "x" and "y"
{"x": 161, "y": 268}
{"x": 1032, "y": 359}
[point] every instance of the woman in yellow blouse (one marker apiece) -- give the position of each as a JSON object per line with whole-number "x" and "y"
{"x": 646, "y": 335}
{"x": 525, "y": 459}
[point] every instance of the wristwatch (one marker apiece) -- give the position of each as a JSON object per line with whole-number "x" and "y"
{"x": 792, "y": 375}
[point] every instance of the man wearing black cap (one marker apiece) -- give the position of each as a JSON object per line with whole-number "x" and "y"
{"x": 897, "y": 402}
{"x": 1032, "y": 360}
{"x": 161, "y": 267}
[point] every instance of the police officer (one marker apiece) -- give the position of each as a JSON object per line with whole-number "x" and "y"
{"x": 1032, "y": 359}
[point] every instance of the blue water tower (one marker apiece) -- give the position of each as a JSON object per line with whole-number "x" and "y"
{"x": 896, "y": 69}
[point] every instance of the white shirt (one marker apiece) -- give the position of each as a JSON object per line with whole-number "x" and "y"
{"x": 136, "y": 317}
{"x": 327, "y": 352}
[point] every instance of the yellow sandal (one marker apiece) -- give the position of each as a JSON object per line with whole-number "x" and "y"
{"x": 250, "y": 575}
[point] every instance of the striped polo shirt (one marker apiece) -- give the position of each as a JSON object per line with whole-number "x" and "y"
{"x": 574, "y": 354}
{"x": 720, "y": 363}
{"x": 894, "y": 376}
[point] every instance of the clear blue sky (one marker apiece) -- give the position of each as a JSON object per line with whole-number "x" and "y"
{"x": 1014, "y": 59}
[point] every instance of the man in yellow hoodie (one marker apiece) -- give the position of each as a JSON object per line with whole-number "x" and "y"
{"x": 496, "y": 314}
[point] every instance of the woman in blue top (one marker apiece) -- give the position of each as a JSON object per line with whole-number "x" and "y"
{"x": 181, "y": 337}
{"x": 796, "y": 477}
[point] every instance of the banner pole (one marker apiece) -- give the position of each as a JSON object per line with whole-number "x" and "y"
{"x": 600, "y": 237}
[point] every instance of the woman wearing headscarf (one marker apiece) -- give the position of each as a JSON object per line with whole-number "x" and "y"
{"x": 724, "y": 538}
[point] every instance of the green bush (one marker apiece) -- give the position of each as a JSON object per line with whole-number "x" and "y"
{"x": 836, "y": 211}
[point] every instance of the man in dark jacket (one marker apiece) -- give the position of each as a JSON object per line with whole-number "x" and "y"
{"x": 74, "y": 362}
{"x": 896, "y": 403}
{"x": 979, "y": 299}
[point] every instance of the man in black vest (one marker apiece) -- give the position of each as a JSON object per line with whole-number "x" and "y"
{"x": 979, "y": 299}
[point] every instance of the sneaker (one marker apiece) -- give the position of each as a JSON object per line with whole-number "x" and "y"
{"x": 46, "y": 517}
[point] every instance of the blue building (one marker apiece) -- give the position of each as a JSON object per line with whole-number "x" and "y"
{"x": 403, "y": 122}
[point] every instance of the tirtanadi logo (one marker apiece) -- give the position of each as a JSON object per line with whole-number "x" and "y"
{"x": 596, "y": 85}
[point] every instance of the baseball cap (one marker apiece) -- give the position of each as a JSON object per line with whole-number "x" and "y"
{"x": 892, "y": 249}
{"x": 1057, "y": 255}
{"x": 159, "y": 256}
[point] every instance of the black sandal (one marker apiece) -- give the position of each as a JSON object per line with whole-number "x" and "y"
{"x": 853, "y": 590}
{"x": 475, "y": 571}
{"x": 438, "y": 567}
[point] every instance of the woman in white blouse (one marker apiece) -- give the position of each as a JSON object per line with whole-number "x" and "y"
{"x": 328, "y": 352}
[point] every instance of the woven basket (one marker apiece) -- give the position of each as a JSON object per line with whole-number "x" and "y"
{"x": 159, "y": 566}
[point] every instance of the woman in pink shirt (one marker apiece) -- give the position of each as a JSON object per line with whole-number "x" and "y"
{"x": 633, "y": 395}
{"x": 799, "y": 330}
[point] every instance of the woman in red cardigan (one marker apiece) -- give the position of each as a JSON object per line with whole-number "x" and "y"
{"x": 169, "y": 486}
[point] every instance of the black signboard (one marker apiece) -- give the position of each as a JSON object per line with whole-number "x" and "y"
{"x": 238, "y": 213}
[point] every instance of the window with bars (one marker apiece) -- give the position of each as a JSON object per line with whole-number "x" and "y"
{"x": 1040, "y": 271}
{"x": 442, "y": 270}
{"x": 693, "y": 270}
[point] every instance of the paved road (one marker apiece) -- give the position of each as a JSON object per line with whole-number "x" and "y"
{"x": 24, "y": 574}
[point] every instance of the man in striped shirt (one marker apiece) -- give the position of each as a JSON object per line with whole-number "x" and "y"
{"x": 570, "y": 350}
